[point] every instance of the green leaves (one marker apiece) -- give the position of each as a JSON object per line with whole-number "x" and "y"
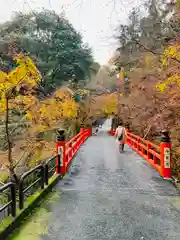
{"x": 53, "y": 43}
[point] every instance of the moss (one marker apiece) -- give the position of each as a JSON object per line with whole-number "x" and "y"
{"x": 34, "y": 227}
{"x": 36, "y": 224}
{"x": 32, "y": 198}
{"x": 4, "y": 176}
{"x": 7, "y": 221}
{"x": 178, "y": 185}
{"x": 175, "y": 201}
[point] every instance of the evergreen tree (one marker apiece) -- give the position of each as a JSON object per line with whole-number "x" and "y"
{"x": 52, "y": 42}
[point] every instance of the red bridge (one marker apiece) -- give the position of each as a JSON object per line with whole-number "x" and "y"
{"x": 103, "y": 194}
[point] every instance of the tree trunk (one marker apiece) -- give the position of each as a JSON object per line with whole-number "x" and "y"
{"x": 12, "y": 174}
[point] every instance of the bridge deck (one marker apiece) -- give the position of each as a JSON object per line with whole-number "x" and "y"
{"x": 108, "y": 195}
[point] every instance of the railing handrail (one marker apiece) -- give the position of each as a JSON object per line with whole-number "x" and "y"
{"x": 46, "y": 167}
{"x": 12, "y": 201}
{"x": 144, "y": 141}
{"x": 6, "y": 186}
{"x": 50, "y": 159}
{"x": 26, "y": 174}
{"x": 158, "y": 156}
{"x": 73, "y": 138}
{"x": 41, "y": 179}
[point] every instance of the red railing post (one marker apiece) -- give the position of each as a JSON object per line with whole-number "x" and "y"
{"x": 127, "y": 139}
{"x": 78, "y": 140}
{"x": 165, "y": 150}
{"x": 70, "y": 151}
{"x": 61, "y": 150}
{"x": 90, "y": 131}
{"x": 138, "y": 144}
{"x": 82, "y": 134}
{"x": 148, "y": 153}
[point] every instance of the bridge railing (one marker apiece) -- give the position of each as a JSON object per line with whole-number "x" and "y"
{"x": 30, "y": 182}
{"x": 7, "y": 200}
{"x": 159, "y": 157}
{"x": 69, "y": 149}
{"x": 36, "y": 178}
{"x": 50, "y": 167}
{"x": 146, "y": 149}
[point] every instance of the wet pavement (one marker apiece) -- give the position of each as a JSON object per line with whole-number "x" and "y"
{"x": 112, "y": 196}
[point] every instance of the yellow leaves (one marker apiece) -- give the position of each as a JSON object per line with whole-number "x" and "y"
{"x": 106, "y": 103}
{"x": 60, "y": 93}
{"x": 172, "y": 52}
{"x": 22, "y": 102}
{"x": 46, "y": 114}
{"x": 121, "y": 75}
{"x": 161, "y": 87}
{"x": 170, "y": 65}
{"x": 171, "y": 80}
{"x": 164, "y": 61}
{"x": 29, "y": 116}
{"x": 3, "y": 76}
{"x": 3, "y": 102}
{"x": 26, "y": 100}
{"x": 82, "y": 91}
{"x": 148, "y": 61}
{"x": 42, "y": 114}
{"x": 41, "y": 128}
{"x": 25, "y": 73}
{"x": 69, "y": 108}
{"x": 4, "y": 83}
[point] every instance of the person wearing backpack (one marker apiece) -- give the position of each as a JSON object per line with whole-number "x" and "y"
{"x": 120, "y": 135}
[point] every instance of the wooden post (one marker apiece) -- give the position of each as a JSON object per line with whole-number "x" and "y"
{"x": 165, "y": 148}
{"x": 61, "y": 151}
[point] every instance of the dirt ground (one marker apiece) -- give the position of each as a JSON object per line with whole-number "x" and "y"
{"x": 17, "y": 153}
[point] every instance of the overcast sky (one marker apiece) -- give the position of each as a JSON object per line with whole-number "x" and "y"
{"x": 95, "y": 19}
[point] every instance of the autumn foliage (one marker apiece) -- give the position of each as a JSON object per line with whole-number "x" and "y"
{"x": 104, "y": 104}
{"x": 153, "y": 103}
{"x": 149, "y": 51}
{"x": 18, "y": 93}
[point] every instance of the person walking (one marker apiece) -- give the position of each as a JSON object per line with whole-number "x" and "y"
{"x": 120, "y": 135}
{"x": 96, "y": 130}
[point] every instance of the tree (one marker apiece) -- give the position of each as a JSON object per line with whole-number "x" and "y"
{"x": 11, "y": 84}
{"x": 52, "y": 42}
{"x": 144, "y": 34}
{"x": 153, "y": 68}
{"x": 18, "y": 94}
{"x": 104, "y": 105}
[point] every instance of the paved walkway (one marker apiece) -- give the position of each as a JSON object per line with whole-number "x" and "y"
{"x": 109, "y": 196}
